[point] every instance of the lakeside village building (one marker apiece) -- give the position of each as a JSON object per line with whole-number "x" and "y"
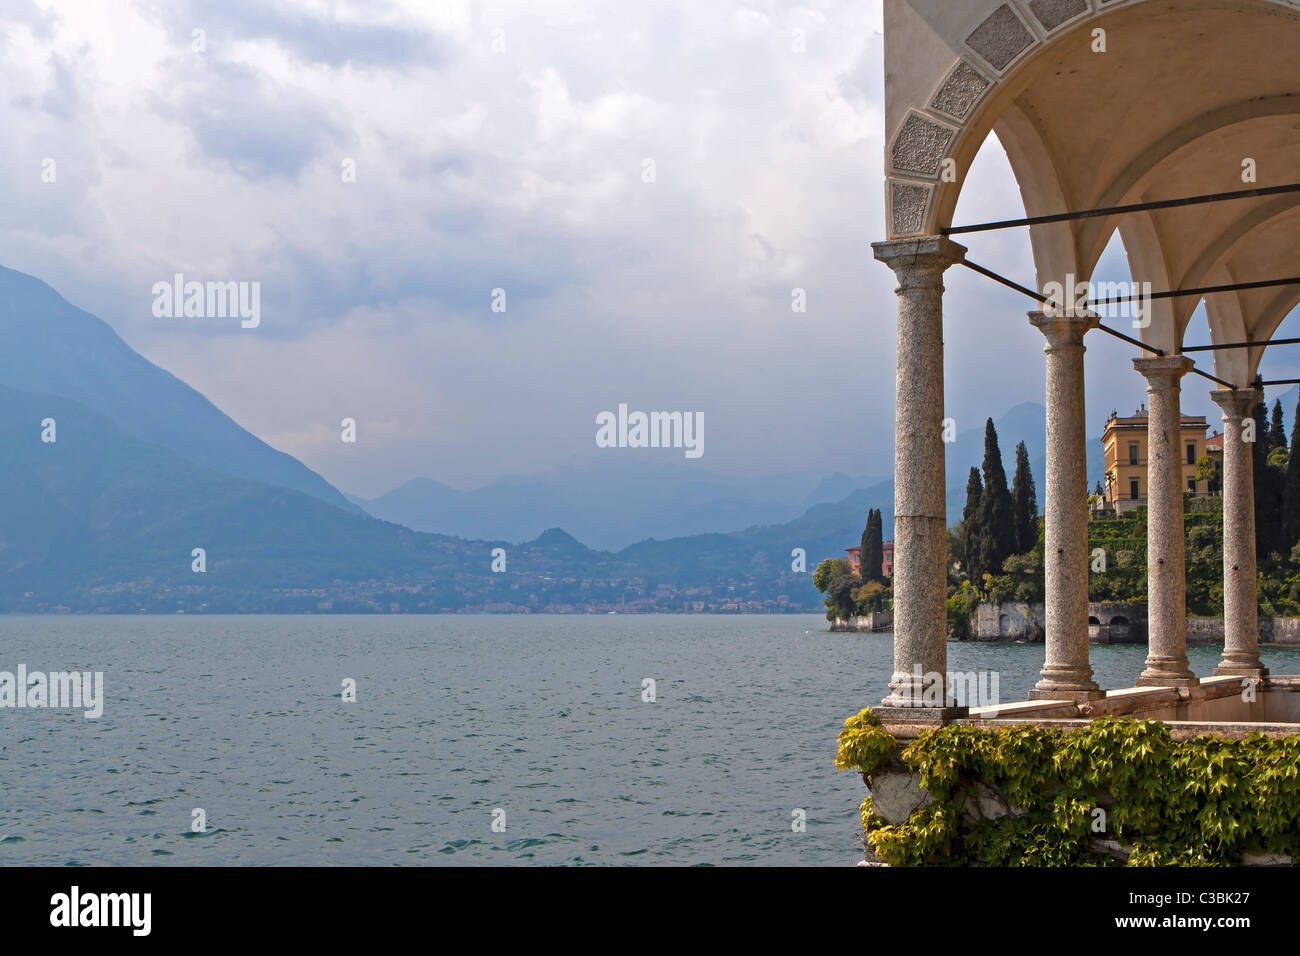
{"x": 886, "y": 562}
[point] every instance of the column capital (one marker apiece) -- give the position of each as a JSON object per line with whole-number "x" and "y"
{"x": 1063, "y": 331}
{"x": 914, "y": 260}
{"x": 1236, "y": 402}
{"x": 1164, "y": 370}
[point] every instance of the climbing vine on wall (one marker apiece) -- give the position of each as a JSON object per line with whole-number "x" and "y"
{"x": 1202, "y": 801}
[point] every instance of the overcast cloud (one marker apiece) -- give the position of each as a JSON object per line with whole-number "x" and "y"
{"x": 503, "y": 145}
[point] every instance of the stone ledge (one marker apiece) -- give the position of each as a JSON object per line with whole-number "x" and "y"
{"x": 1178, "y": 729}
{"x": 906, "y": 724}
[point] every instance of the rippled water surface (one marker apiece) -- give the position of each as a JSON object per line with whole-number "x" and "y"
{"x": 457, "y": 716}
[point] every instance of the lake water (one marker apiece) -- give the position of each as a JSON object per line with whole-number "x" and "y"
{"x": 457, "y": 717}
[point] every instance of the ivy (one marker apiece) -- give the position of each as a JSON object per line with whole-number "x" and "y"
{"x": 1203, "y": 801}
{"x": 864, "y": 744}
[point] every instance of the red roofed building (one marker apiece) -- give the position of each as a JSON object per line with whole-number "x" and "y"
{"x": 1214, "y": 446}
{"x": 886, "y": 563}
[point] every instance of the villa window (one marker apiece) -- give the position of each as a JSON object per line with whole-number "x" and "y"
{"x": 1191, "y": 453}
{"x": 1133, "y": 488}
{"x": 1133, "y": 455}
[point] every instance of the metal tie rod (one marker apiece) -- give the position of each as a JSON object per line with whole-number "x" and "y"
{"x": 1203, "y": 290}
{"x": 1212, "y": 378}
{"x": 1121, "y": 210}
{"x": 1011, "y": 284}
{"x": 1240, "y": 345}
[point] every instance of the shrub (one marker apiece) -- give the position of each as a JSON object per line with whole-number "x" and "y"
{"x": 1202, "y": 801}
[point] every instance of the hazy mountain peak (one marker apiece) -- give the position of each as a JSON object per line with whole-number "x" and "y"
{"x": 557, "y": 538}
{"x": 48, "y": 346}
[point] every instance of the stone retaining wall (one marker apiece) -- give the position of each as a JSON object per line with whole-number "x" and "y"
{"x": 1109, "y": 622}
{"x": 1010, "y": 621}
{"x": 874, "y": 622}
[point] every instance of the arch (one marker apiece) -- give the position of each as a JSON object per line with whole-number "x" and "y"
{"x": 998, "y": 46}
{"x": 1220, "y": 249}
{"x": 1227, "y": 324}
{"x": 997, "y": 77}
{"x": 1147, "y": 165}
{"x": 1146, "y": 259}
{"x": 1270, "y": 318}
{"x": 1005, "y": 67}
{"x": 1055, "y": 251}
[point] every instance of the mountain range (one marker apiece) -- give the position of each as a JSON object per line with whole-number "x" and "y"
{"x": 608, "y": 507}
{"x": 117, "y": 476}
{"x": 621, "y": 504}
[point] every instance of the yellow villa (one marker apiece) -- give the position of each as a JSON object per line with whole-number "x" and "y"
{"x": 1125, "y": 441}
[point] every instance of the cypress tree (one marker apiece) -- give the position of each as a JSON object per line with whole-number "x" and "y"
{"x": 1277, "y": 430}
{"x": 1024, "y": 499}
{"x": 970, "y": 518}
{"x": 1291, "y": 494}
{"x": 997, "y": 520}
{"x": 873, "y": 550}
{"x": 1268, "y": 498}
{"x": 864, "y": 544}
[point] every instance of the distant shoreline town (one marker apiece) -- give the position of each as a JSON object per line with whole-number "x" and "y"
{"x": 383, "y": 598}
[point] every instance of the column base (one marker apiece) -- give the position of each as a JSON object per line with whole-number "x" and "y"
{"x": 1226, "y": 668}
{"x": 889, "y": 712}
{"x": 1167, "y": 672}
{"x": 1066, "y": 682}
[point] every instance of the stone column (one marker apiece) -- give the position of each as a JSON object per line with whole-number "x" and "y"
{"x": 1240, "y": 601}
{"x": 1066, "y": 673}
{"x": 1166, "y": 565}
{"x": 920, "y": 519}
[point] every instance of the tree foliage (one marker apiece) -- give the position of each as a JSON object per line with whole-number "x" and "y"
{"x": 847, "y": 594}
{"x": 998, "y": 542}
{"x": 996, "y": 535}
{"x": 968, "y": 530}
{"x": 873, "y": 551}
{"x": 1204, "y": 800}
{"x": 1024, "y": 500}
{"x": 1291, "y": 493}
{"x": 1269, "y": 482}
{"x": 1277, "y": 428}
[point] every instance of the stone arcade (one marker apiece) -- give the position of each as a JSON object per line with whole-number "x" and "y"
{"x": 1031, "y": 71}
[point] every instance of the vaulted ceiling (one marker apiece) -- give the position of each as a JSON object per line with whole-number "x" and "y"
{"x": 1102, "y": 103}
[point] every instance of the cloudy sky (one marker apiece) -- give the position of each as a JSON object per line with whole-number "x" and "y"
{"x": 504, "y": 145}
